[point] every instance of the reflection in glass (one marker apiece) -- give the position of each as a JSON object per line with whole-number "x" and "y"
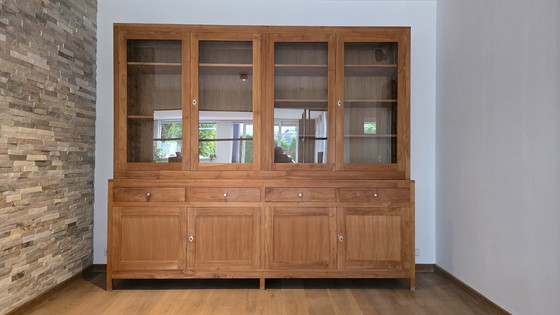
{"x": 300, "y": 102}
{"x": 225, "y": 126}
{"x": 154, "y": 132}
{"x": 300, "y": 136}
{"x": 370, "y": 104}
{"x": 168, "y": 134}
{"x": 225, "y": 137}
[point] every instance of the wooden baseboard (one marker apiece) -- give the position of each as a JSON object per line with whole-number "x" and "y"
{"x": 425, "y": 267}
{"x": 444, "y": 273}
{"x": 25, "y": 307}
{"x": 97, "y": 268}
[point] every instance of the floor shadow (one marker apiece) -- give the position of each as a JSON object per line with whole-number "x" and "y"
{"x": 99, "y": 279}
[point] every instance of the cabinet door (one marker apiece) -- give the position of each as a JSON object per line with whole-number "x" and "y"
{"x": 374, "y": 238}
{"x": 223, "y": 238}
{"x": 149, "y": 103}
{"x": 373, "y": 99}
{"x": 303, "y": 238}
{"x": 226, "y": 101}
{"x": 299, "y": 98}
{"x": 149, "y": 238}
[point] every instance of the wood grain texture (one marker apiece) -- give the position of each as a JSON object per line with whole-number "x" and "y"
{"x": 224, "y": 238}
{"x": 435, "y": 295}
{"x": 148, "y": 194}
{"x": 372, "y": 238}
{"x": 148, "y": 238}
{"x": 224, "y": 194}
{"x": 299, "y": 194}
{"x": 301, "y": 238}
{"x": 373, "y": 194}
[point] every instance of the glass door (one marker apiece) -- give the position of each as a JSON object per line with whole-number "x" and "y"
{"x": 154, "y": 101}
{"x": 370, "y": 103}
{"x": 224, "y": 100}
{"x": 300, "y": 89}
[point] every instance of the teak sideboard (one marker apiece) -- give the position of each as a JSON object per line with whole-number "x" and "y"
{"x": 261, "y": 152}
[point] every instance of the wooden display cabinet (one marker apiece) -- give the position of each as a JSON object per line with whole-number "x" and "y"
{"x": 261, "y": 152}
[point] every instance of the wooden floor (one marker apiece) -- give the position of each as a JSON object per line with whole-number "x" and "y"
{"x": 434, "y": 295}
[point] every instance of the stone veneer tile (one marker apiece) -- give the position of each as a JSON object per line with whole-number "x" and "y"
{"x": 47, "y": 138}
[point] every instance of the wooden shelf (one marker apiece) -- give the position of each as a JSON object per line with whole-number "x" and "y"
{"x": 140, "y": 117}
{"x": 371, "y": 101}
{"x": 167, "y": 64}
{"x": 225, "y": 139}
{"x": 369, "y": 70}
{"x": 300, "y": 70}
{"x": 154, "y": 67}
{"x": 301, "y": 104}
{"x": 225, "y": 69}
{"x": 371, "y": 136}
{"x": 312, "y": 137}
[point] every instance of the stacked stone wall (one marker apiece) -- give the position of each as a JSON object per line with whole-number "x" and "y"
{"x": 47, "y": 138}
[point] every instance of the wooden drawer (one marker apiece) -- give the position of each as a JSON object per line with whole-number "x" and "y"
{"x": 225, "y": 194}
{"x": 372, "y": 194}
{"x": 148, "y": 194}
{"x": 299, "y": 194}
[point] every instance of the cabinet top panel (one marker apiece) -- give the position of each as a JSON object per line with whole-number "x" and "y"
{"x": 146, "y": 29}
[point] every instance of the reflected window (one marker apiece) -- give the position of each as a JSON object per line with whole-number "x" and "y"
{"x": 207, "y": 149}
{"x": 370, "y": 127}
{"x": 225, "y": 137}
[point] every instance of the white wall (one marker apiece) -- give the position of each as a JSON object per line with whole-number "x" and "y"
{"x": 498, "y": 149}
{"x": 418, "y": 14}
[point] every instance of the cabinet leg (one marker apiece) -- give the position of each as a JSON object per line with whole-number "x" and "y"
{"x": 412, "y": 284}
{"x": 109, "y": 285}
{"x": 261, "y": 283}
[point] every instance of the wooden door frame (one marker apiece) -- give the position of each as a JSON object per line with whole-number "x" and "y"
{"x": 402, "y": 38}
{"x": 268, "y": 132}
{"x": 256, "y": 39}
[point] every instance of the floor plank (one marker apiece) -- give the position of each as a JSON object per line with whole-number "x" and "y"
{"x": 434, "y": 295}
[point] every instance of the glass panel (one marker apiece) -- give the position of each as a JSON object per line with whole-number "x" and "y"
{"x": 154, "y": 101}
{"x": 370, "y": 104}
{"x": 300, "y": 102}
{"x": 225, "y": 102}
{"x": 215, "y": 147}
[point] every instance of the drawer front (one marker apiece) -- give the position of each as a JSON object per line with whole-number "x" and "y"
{"x": 299, "y": 194}
{"x": 372, "y": 194}
{"x": 225, "y": 194}
{"x": 148, "y": 194}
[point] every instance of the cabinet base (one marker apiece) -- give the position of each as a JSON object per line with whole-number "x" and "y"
{"x": 263, "y": 275}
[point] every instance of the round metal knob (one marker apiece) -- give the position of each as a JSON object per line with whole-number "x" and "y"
{"x": 300, "y": 195}
{"x": 194, "y": 102}
{"x": 148, "y": 194}
{"x": 191, "y": 239}
{"x": 225, "y": 195}
{"x": 339, "y": 103}
{"x": 341, "y": 238}
{"x": 375, "y": 195}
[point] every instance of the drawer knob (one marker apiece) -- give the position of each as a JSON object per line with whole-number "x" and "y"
{"x": 300, "y": 195}
{"x": 148, "y": 194}
{"x": 375, "y": 195}
{"x": 340, "y": 238}
{"x": 191, "y": 239}
{"x": 225, "y": 195}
